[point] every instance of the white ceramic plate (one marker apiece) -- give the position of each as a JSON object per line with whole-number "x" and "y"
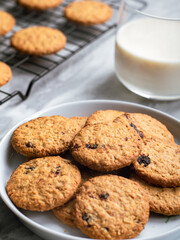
{"x": 45, "y": 224}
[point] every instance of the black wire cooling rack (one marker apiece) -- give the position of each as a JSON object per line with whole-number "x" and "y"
{"x": 78, "y": 37}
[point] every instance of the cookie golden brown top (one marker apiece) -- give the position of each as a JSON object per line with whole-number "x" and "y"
{"x": 159, "y": 163}
{"x": 164, "y": 201}
{"x": 39, "y": 4}
{"x": 65, "y": 213}
{"x": 103, "y": 116}
{"x": 111, "y": 207}
{"x": 148, "y": 126}
{"x": 7, "y": 22}
{"x": 107, "y": 146}
{"x": 46, "y": 136}
{"x": 43, "y": 183}
{"x": 88, "y": 12}
{"x": 38, "y": 40}
{"x": 5, "y": 74}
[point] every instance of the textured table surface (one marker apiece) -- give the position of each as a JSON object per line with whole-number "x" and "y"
{"x": 89, "y": 75}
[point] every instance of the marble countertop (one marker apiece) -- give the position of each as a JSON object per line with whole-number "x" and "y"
{"x": 89, "y": 75}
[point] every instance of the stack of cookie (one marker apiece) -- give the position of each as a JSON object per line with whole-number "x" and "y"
{"x": 90, "y": 191}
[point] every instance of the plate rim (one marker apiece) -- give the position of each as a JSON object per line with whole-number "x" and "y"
{"x": 38, "y": 226}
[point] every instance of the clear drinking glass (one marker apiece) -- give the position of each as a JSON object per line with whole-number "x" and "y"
{"x": 147, "y": 54}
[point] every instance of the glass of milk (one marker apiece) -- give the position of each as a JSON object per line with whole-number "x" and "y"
{"x": 147, "y": 52}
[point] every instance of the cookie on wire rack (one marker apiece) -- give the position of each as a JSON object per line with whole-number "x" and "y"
{"x": 88, "y": 12}
{"x": 40, "y": 5}
{"x": 7, "y": 22}
{"x": 38, "y": 40}
{"x": 5, "y": 73}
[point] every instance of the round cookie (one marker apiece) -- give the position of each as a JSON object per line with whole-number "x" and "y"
{"x": 107, "y": 146}
{"x": 88, "y": 12}
{"x": 159, "y": 163}
{"x": 38, "y": 40}
{"x": 164, "y": 201}
{"x": 46, "y": 136}
{"x": 7, "y": 22}
{"x": 5, "y": 73}
{"x": 43, "y": 183}
{"x": 103, "y": 116}
{"x": 148, "y": 127}
{"x": 39, "y": 4}
{"x": 111, "y": 207}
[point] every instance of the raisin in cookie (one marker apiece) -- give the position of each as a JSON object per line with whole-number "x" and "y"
{"x": 148, "y": 126}
{"x": 164, "y": 201}
{"x": 111, "y": 207}
{"x": 38, "y": 40}
{"x": 159, "y": 163}
{"x": 88, "y": 12}
{"x": 43, "y": 183}
{"x": 46, "y": 136}
{"x": 107, "y": 146}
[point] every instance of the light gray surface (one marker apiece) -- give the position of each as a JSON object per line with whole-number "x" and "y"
{"x": 90, "y": 75}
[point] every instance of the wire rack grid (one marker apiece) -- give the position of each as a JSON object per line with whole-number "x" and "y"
{"x": 78, "y": 37}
